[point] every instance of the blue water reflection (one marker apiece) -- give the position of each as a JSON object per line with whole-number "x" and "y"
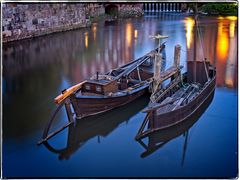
{"x": 35, "y": 71}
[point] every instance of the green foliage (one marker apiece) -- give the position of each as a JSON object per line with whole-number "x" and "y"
{"x": 220, "y": 8}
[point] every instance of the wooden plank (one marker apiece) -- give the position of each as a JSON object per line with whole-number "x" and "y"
{"x": 165, "y": 109}
{"x": 138, "y": 62}
{"x": 68, "y": 92}
{"x": 155, "y": 106}
{"x": 178, "y": 93}
{"x": 168, "y": 89}
{"x": 131, "y": 68}
{"x": 140, "y": 131}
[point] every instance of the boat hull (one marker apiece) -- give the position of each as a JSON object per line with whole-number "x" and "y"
{"x": 169, "y": 119}
{"x": 90, "y": 105}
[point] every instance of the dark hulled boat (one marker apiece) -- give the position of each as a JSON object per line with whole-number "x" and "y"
{"x": 104, "y": 92}
{"x": 180, "y": 100}
{"x": 86, "y": 102}
{"x": 183, "y": 96}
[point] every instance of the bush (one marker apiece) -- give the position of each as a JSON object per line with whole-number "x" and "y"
{"x": 220, "y": 8}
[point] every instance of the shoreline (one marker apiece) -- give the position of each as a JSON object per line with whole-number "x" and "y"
{"x": 76, "y": 26}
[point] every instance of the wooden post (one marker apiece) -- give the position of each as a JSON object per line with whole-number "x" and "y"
{"x": 157, "y": 70}
{"x": 68, "y": 110}
{"x": 177, "y": 55}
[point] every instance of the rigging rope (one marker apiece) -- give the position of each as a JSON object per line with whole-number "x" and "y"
{"x": 201, "y": 44}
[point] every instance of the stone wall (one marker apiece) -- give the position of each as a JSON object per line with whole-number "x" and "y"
{"x": 23, "y": 20}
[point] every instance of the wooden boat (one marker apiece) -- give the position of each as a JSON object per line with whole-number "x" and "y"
{"x": 159, "y": 138}
{"x": 104, "y": 92}
{"x": 180, "y": 99}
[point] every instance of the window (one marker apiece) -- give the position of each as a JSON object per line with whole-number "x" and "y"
{"x": 87, "y": 87}
{"x": 98, "y": 88}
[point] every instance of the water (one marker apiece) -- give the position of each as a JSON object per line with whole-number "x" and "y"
{"x": 35, "y": 71}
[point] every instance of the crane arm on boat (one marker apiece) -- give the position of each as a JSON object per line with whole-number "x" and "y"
{"x": 66, "y": 93}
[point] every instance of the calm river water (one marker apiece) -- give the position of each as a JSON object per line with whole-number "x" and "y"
{"x": 35, "y": 71}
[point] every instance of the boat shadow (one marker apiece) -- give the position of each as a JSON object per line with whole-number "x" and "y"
{"x": 97, "y": 126}
{"x": 158, "y": 139}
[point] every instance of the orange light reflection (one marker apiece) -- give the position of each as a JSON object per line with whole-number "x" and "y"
{"x": 94, "y": 31}
{"x": 231, "y": 29}
{"x": 135, "y": 33}
{"x": 222, "y": 43}
{"x": 129, "y": 30}
{"x": 86, "y": 39}
{"x": 189, "y": 24}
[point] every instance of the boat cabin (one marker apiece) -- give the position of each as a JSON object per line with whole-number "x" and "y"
{"x": 102, "y": 86}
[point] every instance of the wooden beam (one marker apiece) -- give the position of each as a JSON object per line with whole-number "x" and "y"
{"x": 54, "y": 133}
{"x": 155, "y": 106}
{"x": 68, "y": 92}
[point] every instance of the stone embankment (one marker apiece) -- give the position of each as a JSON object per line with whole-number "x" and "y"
{"x": 22, "y": 21}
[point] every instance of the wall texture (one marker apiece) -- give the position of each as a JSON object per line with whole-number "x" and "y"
{"x": 126, "y": 10}
{"x": 21, "y": 21}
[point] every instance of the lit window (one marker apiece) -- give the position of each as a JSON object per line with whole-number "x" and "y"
{"x": 98, "y": 88}
{"x": 87, "y": 87}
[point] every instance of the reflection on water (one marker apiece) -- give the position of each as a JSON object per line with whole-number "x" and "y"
{"x": 222, "y": 42}
{"x": 218, "y": 43}
{"x": 86, "y": 39}
{"x": 35, "y": 71}
{"x": 97, "y": 126}
{"x": 227, "y": 52}
{"x": 189, "y": 21}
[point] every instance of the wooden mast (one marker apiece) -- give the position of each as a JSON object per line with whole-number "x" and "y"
{"x": 195, "y": 46}
{"x": 157, "y": 63}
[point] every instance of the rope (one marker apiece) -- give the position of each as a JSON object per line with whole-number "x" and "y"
{"x": 201, "y": 44}
{"x": 139, "y": 77}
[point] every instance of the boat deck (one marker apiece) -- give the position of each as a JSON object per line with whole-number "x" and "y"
{"x": 178, "y": 103}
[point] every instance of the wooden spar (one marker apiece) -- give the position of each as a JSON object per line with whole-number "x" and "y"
{"x": 141, "y": 58}
{"x": 46, "y": 130}
{"x": 131, "y": 68}
{"x": 68, "y": 92}
{"x": 54, "y": 133}
{"x": 47, "y": 136}
{"x": 177, "y": 51}
{"x": 142, "y": 126}
{"x": 155, "y": 106}
{"x": 137, "y": 63}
